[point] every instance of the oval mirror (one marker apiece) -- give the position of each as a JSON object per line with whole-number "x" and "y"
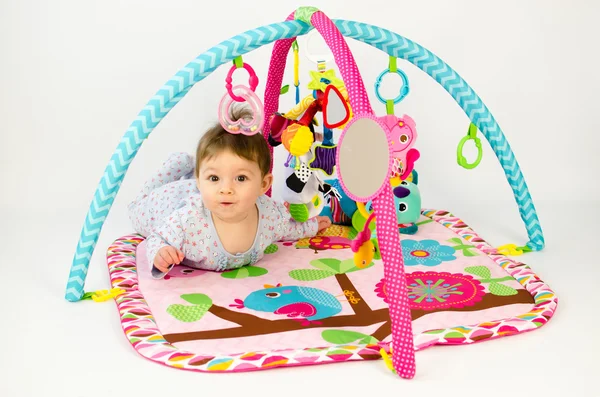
{"x": 363, "y": 159}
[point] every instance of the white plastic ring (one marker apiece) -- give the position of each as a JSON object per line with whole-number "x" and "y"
{"x": 316, "y": 58}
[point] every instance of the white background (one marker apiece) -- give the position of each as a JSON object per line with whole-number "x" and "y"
{"x": 74, "y": 75}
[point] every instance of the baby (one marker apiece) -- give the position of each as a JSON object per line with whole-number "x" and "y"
{"x": 221, "y": 220}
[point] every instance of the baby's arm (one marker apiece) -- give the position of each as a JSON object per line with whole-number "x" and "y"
{"x": 290, "y": 229}
{"x": 177, "y": 166}
{"x": 165, "y": 245}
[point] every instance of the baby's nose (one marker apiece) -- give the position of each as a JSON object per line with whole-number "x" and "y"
{"x": 226, "y": 189}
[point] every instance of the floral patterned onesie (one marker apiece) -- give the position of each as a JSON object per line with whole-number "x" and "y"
{"x": 169, "y": 211}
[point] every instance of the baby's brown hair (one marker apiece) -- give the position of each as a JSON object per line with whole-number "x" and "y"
{"x": 217, "y": 139}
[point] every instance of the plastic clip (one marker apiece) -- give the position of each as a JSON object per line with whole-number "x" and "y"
{"x": 103, "y": 295}
{"x": 387, "y": 359}
{"x": 512, "y": 250}
{"x": 460, "y": 158}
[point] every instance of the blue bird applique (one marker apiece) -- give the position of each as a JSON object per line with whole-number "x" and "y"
{"x": 292, "y": 301}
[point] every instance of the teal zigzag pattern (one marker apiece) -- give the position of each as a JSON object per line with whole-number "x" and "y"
{"x": 178, "y": 86}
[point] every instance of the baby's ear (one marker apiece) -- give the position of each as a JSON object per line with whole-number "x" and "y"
{"x": 266, "y": 183}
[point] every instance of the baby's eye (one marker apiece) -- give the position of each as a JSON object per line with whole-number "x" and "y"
{"x": 242, "y": 178}
{"x": 213, "y": 178}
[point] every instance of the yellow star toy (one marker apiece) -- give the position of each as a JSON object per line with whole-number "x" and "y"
{"x": 320, "y": 81}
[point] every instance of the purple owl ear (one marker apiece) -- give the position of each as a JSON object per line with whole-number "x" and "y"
{"x": 401, "y": 191}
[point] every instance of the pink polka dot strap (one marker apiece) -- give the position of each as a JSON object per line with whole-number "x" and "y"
{"x": 403, "y": 355}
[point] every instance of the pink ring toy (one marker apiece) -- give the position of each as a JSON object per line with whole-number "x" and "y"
{"x": 252, "y": 81}
{"x": 242, "y": 126}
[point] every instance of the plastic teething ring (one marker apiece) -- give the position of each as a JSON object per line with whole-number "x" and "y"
{"x": 472, "y": 135}
{"x": 403, "y": 91}
{"x": 252, "y": 81}
{"x": 246, "y": 127}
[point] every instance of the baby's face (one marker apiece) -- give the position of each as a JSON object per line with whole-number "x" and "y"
{"x": 230, "y": 185}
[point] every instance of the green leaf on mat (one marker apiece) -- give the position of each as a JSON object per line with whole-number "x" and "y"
{"x": 246, "y": 271}
{"x": 480, "y": 271}
{"x": 346, "y": 266}
{"x": 188, "y": 314}
{"x": 310, "y": 274}
{"x": 342, "y": 337}
{"x": 197, "y": 299}
{"x": 285, "y": 89}
{"x": 502, "y": 290}
{"x": 271, "y": 249}
{"x": 329, "y": 264}
{"x": 242, "y": 272}
{"x": 255, "y": 271}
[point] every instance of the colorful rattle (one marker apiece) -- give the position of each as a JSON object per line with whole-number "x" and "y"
{"x": 241, "y": 93}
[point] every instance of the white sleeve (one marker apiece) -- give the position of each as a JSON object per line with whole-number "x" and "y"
{"x": 170, "y": 233}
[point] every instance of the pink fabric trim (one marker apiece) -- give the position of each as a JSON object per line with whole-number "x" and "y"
{"x": 273, "y": 86}
{"x": 403, "y": 356}
{"x": 359, "y": 101}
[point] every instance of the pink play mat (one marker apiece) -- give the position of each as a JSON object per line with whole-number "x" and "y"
{"x": 306, "y": 302}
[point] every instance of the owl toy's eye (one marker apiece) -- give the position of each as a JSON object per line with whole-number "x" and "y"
{"x": 403, "y": 138}
{"x": 404, "y": 183}
{"x": 272, "y": 294}
{"x": 402, "y": 207}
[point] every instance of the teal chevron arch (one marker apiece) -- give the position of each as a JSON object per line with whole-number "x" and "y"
{"x": 178, "y": 86}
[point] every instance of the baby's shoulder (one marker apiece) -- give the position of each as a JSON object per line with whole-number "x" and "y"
{"x": 269, "y": 203}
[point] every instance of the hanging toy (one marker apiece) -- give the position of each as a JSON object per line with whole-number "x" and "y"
{"x": 407, "y": 203}
{"x": 403, "y": 133}
{"x": 403, "y": 129}
{"x": 362, "y": 246}
{"x": 305, "y": 190}
{"x": 241, "y": 93}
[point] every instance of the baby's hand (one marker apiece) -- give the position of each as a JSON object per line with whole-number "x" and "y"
{"x": 324, "y": 222}
{"x": 166, "y": 257}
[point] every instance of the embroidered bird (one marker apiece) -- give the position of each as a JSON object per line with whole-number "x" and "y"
{"x": 292, "y": 301}
{"x": 179, "y": 271}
